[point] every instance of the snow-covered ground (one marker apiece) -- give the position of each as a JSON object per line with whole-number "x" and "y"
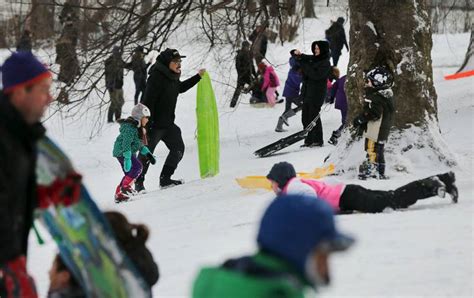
{"x": 426, "y": 250}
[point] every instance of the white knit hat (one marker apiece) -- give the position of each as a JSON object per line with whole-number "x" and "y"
{"x": 139, "y": 111}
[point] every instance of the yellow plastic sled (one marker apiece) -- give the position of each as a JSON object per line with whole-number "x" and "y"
{"x": 261, "y": 182}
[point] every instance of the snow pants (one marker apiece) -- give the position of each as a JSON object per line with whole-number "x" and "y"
{"x": 174, "y": 142}
{"x": 310, "y": 111}
{"x": 375, "y": 155}
{"x": 131, "y": 175}
{"x": 358, "y": 198}
{"x": 116, "y": 104}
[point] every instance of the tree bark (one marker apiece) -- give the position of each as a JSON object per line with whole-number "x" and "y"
{"x": 396, "y": 34}
{"x": 308, "y": 9}
{"x": 42, "y": 19}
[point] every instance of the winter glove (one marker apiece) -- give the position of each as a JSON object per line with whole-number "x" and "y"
{"x": 127, "y": 161}
{"x": 359, "y": 121}
{"x": 15, "y": 281}
{"x": 146, "y": 152}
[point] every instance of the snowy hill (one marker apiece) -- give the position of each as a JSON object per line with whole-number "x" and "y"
{"x": 426, "y": 250}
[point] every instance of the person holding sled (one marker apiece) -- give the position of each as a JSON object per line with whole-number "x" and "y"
{"x": 296, "y": 238}
{"x": 161, "y": 94}
{"x": 291, "y": 92}
{"x": 316, "y": 70}
{"x": 346, "y": 198}
{"x": 126, "y": 146}
{"x": 375, "y": 121}
{"x": 23, "y": 101}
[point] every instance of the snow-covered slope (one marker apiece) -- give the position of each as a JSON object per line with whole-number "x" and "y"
{"x": 426, "y": 250}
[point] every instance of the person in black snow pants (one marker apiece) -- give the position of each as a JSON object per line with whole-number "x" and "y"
{"x": 139, "y": 67}
{"x": 316, "y": 69}
{"x": 245, "y": 71}
{"x": 161, "y": 94}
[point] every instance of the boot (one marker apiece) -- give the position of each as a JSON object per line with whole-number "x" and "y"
{"x": 334, "y": 137}
{"x": 279, "y": 127}
{"x": 287, "y": 115}
{"x": 120, "y": 196}
{"x": 167, "y": 182}
{"x": 367, "y": 170}
{"x": 139, "y": 187}
{"x": 410, "y": 193}
{"x": 165, "y": 178}
{"x": 448, "y": 179}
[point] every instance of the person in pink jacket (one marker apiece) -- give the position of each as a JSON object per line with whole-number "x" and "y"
{"x": 346, "y": 198}
{"x": 270, "y": 82}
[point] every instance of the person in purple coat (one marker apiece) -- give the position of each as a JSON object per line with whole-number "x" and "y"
{"x": 291, "y": 93}
{"x": 338, "y": 96}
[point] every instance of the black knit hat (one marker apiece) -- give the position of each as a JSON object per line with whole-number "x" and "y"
{"x": 281, "y": 173}
{"x": 168, "y": 55}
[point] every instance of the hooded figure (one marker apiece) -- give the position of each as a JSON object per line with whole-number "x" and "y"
{"x": 337, "y": 39}
{"x": 296, "y": 236}
{"x": 316, "y": 69}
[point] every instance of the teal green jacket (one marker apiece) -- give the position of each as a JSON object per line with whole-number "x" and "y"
{"x": 128, "y": 139}
{"x": 259, "y": 276}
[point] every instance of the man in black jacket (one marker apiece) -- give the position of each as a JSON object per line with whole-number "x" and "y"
{"x": 23, "y": 100}
{"x": 337, "y": 39}
{"x": 161, "y": 94}
{"x": 245, "y": 71}
{"x": 316, "y": 69}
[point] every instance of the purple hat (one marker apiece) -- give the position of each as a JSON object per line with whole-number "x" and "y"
{"x": 21, "y": 69}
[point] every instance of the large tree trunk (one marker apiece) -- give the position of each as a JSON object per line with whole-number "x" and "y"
{"x": 41, "y": 22}
{"x": 308, "y": 11}
{"x": 395, "y": 34}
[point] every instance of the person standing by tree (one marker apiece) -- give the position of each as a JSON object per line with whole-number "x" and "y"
{"x": 316, "y": 69}
{"x": 23, "y": 101}
{"x": 245, "y": 71}
{"x": 139, "y": 67}
{"x": 114, "y": 66}
{"x": 337, "y": 39}
{"x": 161, "y": 94}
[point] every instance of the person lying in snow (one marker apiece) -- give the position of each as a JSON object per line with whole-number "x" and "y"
{"x": 346, "y": 198}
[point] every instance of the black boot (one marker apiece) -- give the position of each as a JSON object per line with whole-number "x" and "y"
{"x": 408, "y": 194}
{"x": 165, "y": 178}
{"x": 448, "y": 179}
{"x": 335, "y": 135}
{"x": 139, "y": 187}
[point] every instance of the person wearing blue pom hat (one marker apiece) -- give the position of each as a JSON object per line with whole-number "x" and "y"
{"x": 24, "y": 98}
{"x": 296, "y": 237}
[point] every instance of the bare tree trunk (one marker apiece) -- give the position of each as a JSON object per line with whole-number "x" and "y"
{"x": 469, "y": 60}
{"x": 405, "y": 47}
{"x": 145, "y": 7}
{"x": 397, "y": 35}
{"x": 42, "y": 19}
{"x": 309, "y": 9}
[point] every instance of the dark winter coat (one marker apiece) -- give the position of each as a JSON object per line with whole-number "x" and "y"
{"x": 114, "y": 66}
{"x": 244, "y": 66}
{"x": 316, "y": 70}
{"x": 259, "y": 276}
{"x": 139, "y": 67}
{"x": 161, "y": 94}
{"x": 293, "y": 81}
{"x": 378, "y": 112}
{"x": 337, "y": 37}
{"x": 17, "y": 180}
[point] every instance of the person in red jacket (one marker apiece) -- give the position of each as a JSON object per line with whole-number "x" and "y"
{"x": 346, "y": 198}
